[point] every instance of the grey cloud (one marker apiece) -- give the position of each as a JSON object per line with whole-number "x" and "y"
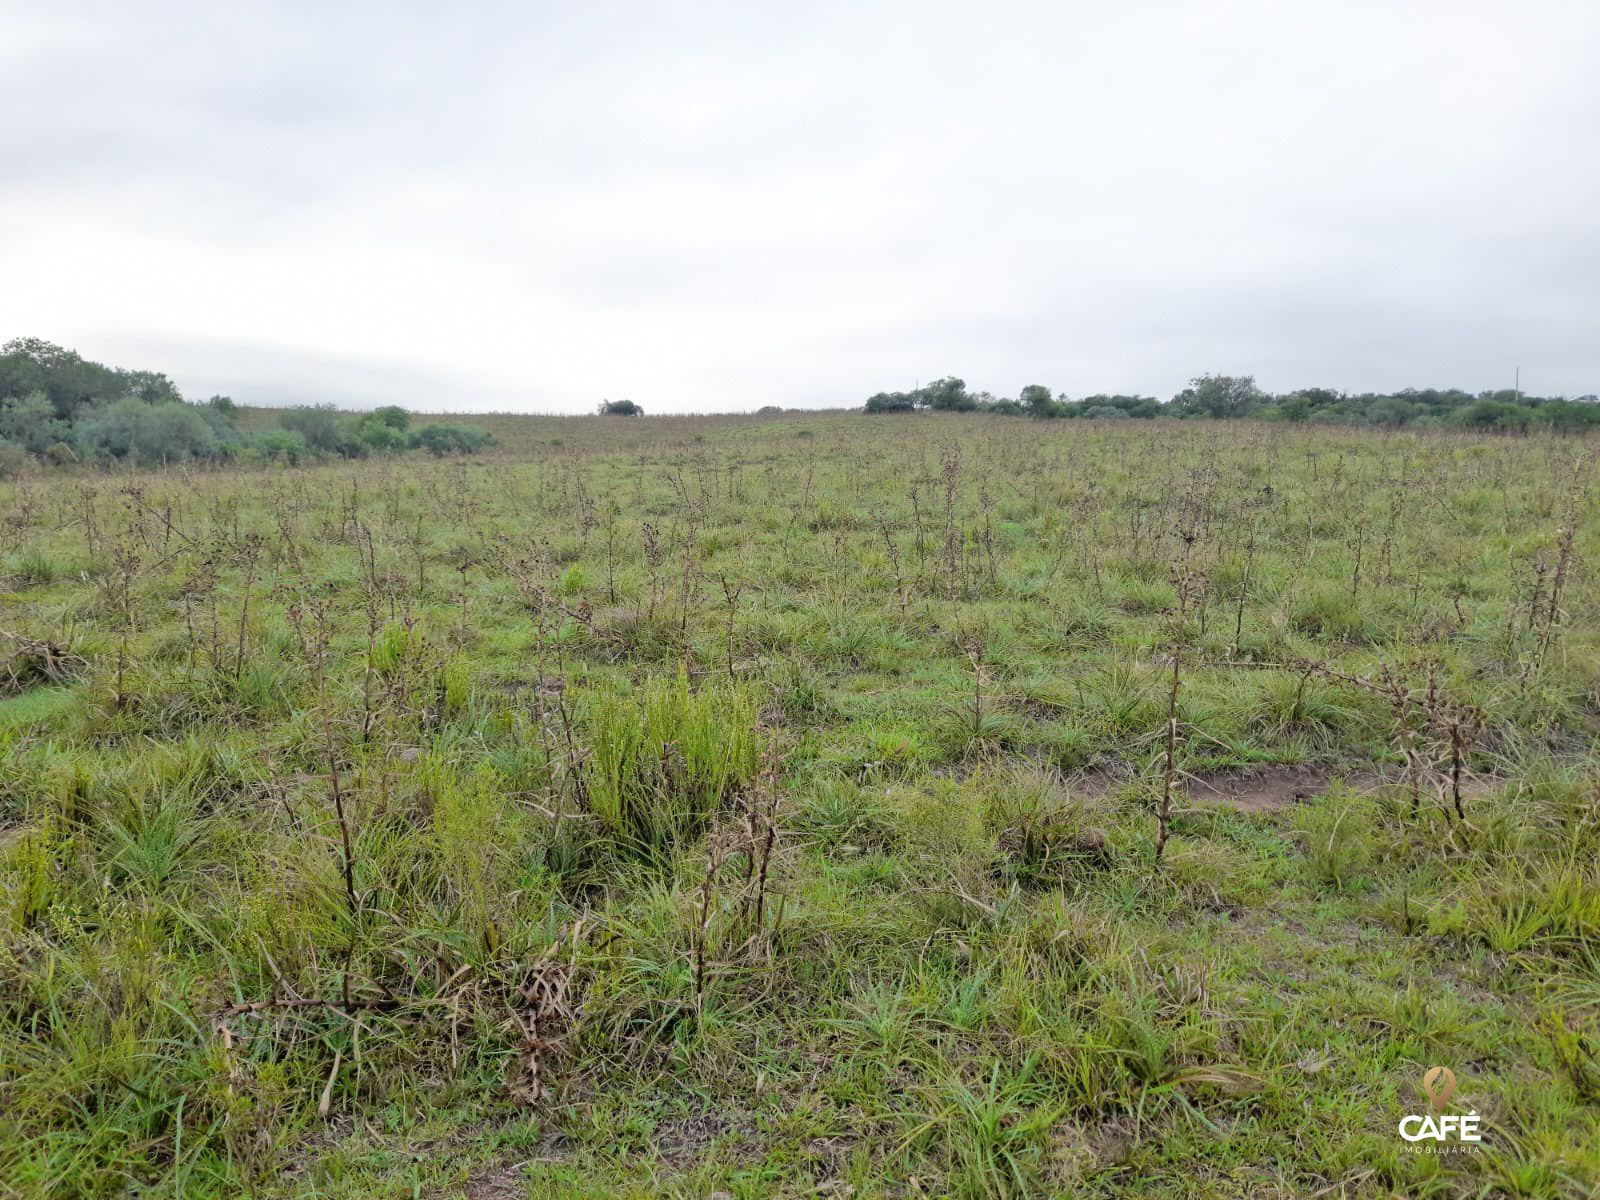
{"x": 720, "y": 205}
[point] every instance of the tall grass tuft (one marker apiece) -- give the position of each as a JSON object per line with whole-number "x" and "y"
{"x": 663, "y": 758}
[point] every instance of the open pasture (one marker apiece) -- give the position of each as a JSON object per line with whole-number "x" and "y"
{"x": 820, "y": 805}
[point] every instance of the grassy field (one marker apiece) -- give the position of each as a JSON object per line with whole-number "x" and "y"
{"x": 806, "y": 806}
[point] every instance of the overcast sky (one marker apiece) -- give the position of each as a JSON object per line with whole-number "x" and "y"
{"x": 709, "y": 207}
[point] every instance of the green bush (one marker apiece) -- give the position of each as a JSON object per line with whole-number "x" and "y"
{"x": 439, "y": 440}
{"x": 155, "y": 433}
{"x": 279, "y": 445}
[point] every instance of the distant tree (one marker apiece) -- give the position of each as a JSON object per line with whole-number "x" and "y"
{"x": 150, "y": 387}
{"x": 1570, "y": 416}
{"x": 46, "y": 355}
{"x": 620, "y": 408}
{"x": 1036, "y": 398}
{"x": 112, "y": 431}
{"x": 1391, "y": 411}
{"x": 1293, "y": 407}
{"x": 1301, "y": 404}
{"x": 1139, "y": 407}
{"x": 891, "y": 402}
{"x": 175, "y": 431}
{"x": 947, "y": 395}
{"x": 1221, "y": 396}
{"x": 374, "y": 437}
{"x": 1495, "y": 414}
{"x": 381, "y": 431}
{"x": 30, "y": 365}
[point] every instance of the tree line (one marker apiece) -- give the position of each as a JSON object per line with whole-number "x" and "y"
{"x": 58, "y": 407}
{"x": 1224, "y": 397}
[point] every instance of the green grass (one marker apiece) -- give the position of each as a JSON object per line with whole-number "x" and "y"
{"x": 620, "y": 814}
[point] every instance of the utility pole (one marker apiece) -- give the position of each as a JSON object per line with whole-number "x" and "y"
{"x": 1516, "y": 387}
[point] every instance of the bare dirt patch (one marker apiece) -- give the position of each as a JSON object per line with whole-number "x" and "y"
{"x": 507, "y": 1183}
{"x": 1098, "y": 781}
{"x": 1259, "y": 789}
{"x": 1269, "y": 789}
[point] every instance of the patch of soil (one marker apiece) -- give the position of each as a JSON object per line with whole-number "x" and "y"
{"x": 505, "y": 1183}
{"x": 1269, "y": 789}
{"x": 680, "y": 1141}
{"x": 1259, "y": 789}
{"x": 1096, "y": 782}
{"x": 509, "y": 1182}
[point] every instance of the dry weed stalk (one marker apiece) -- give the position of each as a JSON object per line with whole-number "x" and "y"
{"x": 893, "y": 552}
{"x": 32, "y": 660}
{"x": 1189, "y": 584}
{"x": 730, "y": 595}
{"x": 542, "y": 1015}
{"x": 317, "y": 645}
{"x": 752, "y": 838}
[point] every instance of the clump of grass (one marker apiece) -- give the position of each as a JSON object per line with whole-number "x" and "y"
{"x": 1142, "y": 597}
{"x": 1552, "y": 906}
{"x": 1080, "y": 623}
{"x": 1067, "y": 747}
{"x": 1045, "y": 833}
{"x": 992, "y": 1135}
{"x": 28, "y": 868}
{"x": 1334, "y": 614}
{"x": 33, "y": 565}
{"x": 1123, "y": 699}
{"x": 1277, "y": 705}
{"x": 663, "y": 758}
{"x": 1338, "y": 835}
{"x": 150, "y": 842}
{"x": 839, "y": 813}
{"x": 980, "y": 722}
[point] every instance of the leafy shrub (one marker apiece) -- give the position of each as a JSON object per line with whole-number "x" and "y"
{"x": 280, "y": 445}
{"x": 30, "y": 422}
{"x": 439, "y": 440}
{"x": 159, "y": 433}
{"x": 318, "y": 427}
{"x": 13, "y": 458}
